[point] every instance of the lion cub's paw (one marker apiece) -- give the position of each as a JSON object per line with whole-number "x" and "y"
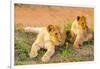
{"x": 76, "y": 46}
{"x": 45, "y": 58}
{"x": 32, "y": 55}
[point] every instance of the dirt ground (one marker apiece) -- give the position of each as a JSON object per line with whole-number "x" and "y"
{"x": 24, "y": 41}
{"x": 41, "y": 15}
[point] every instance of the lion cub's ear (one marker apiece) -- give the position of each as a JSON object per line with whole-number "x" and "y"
{"x": 50, "y": 28}
{"x": 78, "y": 18}
{"x": 84, "y": 18}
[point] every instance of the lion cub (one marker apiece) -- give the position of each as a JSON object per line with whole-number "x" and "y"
{"x": 48, "y": 38}
{"x": 81, "y": 31}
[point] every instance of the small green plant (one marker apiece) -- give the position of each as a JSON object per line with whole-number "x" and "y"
{"x": 66, "y": 52}
{"x": 68, "y": 25}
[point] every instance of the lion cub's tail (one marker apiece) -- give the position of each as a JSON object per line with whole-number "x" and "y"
{"x": 32, "y": 29}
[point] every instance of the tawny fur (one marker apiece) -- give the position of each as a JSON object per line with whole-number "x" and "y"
{"x": 48, "y": 38}
{"x": 81, "y": 31}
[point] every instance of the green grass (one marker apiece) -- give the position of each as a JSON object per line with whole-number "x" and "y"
{"x": 66, "y": 52}
{"x": 68, "y": 25}
{"x": 22, "y": 44}
{"x": 24, "y": 41}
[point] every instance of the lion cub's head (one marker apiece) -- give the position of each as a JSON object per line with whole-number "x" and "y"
{"x": 55, "y": 34}
{"x": 81, "y": 22}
